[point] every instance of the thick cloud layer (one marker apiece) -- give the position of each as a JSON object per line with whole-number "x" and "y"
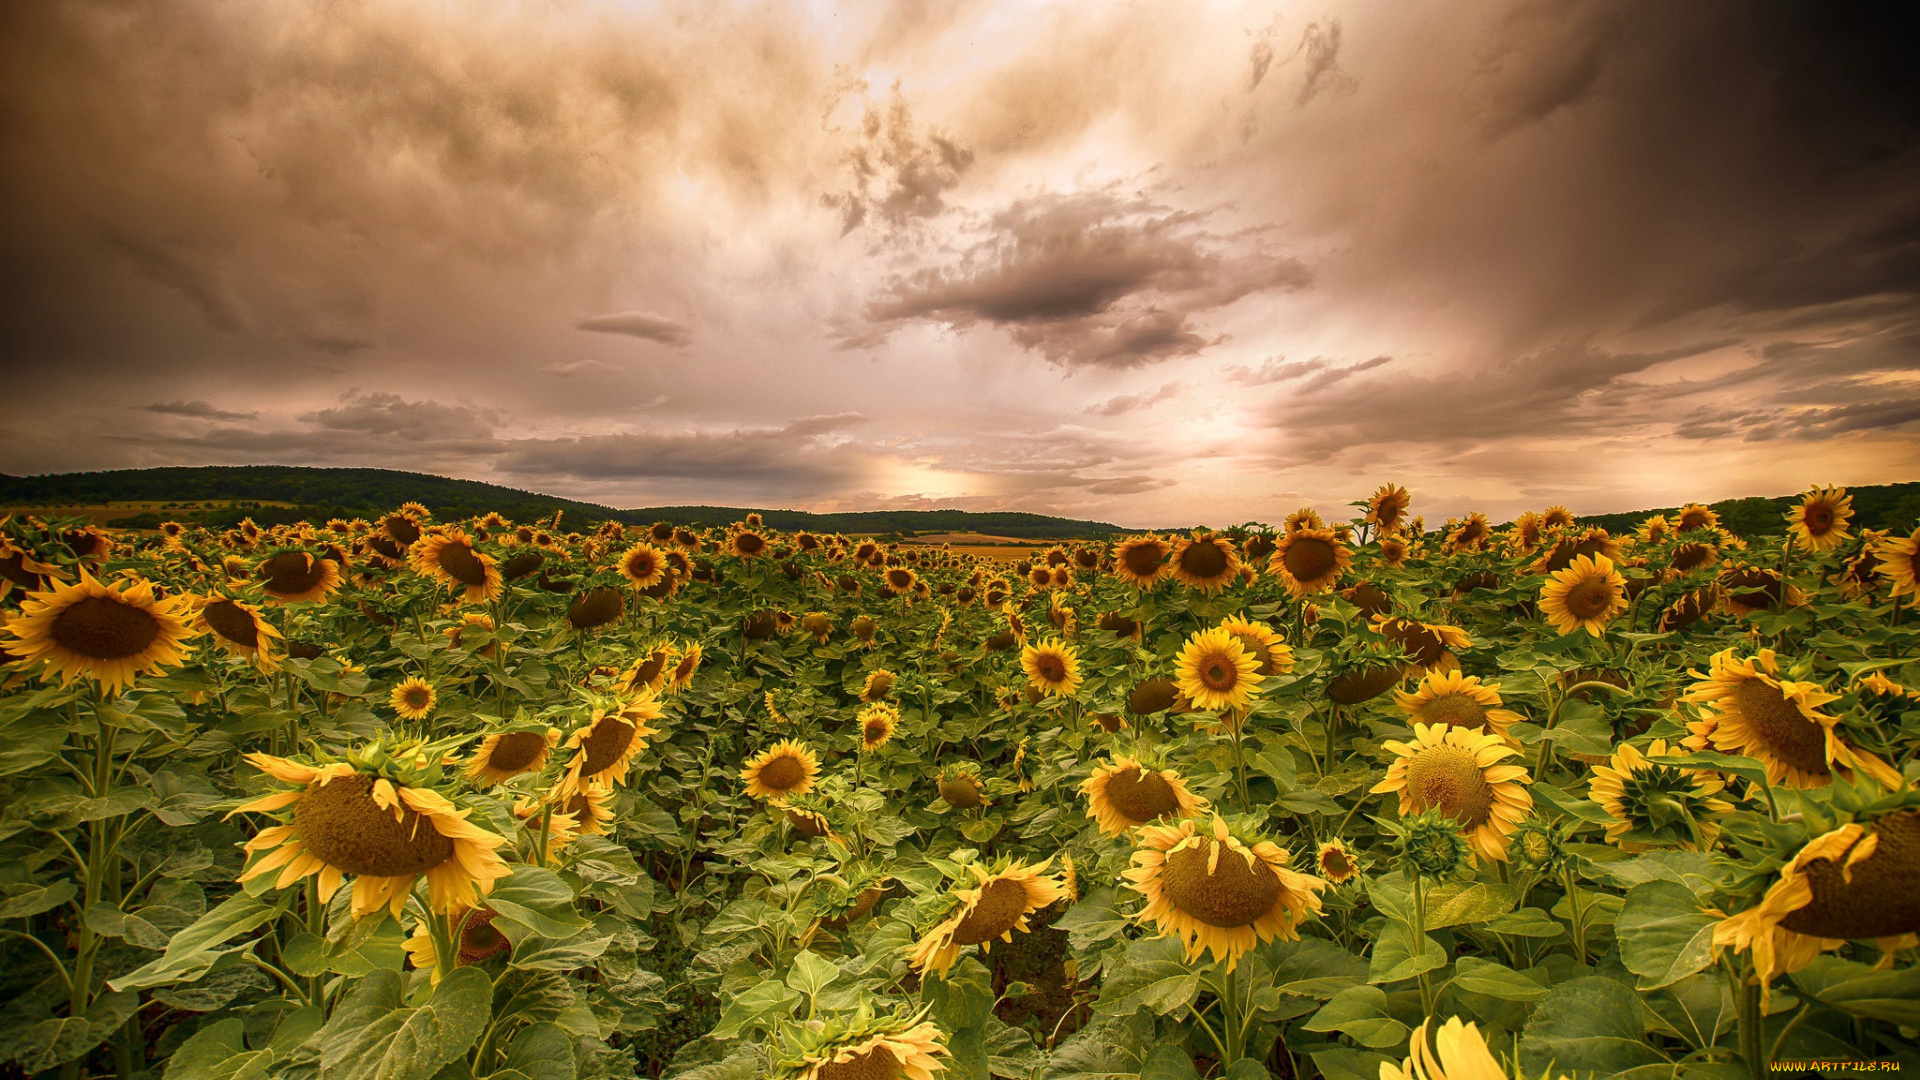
{"x": 1154, "y": 263}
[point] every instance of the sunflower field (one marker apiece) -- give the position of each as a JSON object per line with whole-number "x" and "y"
{"x": 477, "y": 800}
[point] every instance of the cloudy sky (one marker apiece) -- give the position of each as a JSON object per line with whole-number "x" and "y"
{"x": 1154, "y": 263}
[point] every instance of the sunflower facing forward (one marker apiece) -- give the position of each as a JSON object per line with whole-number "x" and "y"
{"x": 604, "y": 747}
{"x": 384, "y": 834}
{"x": 1217, "y": 894}
{"x": 110, "y": 634}
{"x": 1052, "y": 667}
{"x": 783, "y": 769}
{"x": 1309, "y": 560}
{"x": 1448, "y": 697}
{"x": 1587, "y": 595}
{"x": 878, "y": 722}
{"x": 1748, "y": 710}
{"x": 1819, "y": 523}
{"x": 1216, "y": 672}
{"x": 1205, "y": 562}
{"x": 1458, "y": 771}
{"x": 413, "y": 699}
{"x": 989, "y": 912}
{"x": 1387, "y": 506}
{"x": 1124, "y": 794}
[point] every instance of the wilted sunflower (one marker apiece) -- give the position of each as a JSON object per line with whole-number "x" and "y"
{"x": 1587, "y": 595}
{"x": 293, "y": 576}
{"x": 385, "y": 834}
{"x": 1458, "y": 771}
{"x": 1846, "y": 884}
{"x": 878, "y": 685}
{"x": 992, "y": 911}
{"x": 449, "y": 558}
{"x": 504, "y": 755}
{"x": 240, "y": 628}
{"x": 604, "y": 747}
{"x": 1052, "y": 666}
{"x": 413, "y": 699}
{"x": 1448, "y": 697}
{"x": 1460, "y": 1053}
{"x": 1899, "y": 563}
{"x": 1124, "y": 793}
{"x": 785, "y": 768}
{"x": 1271, "y": 656}
{"x": 1217, "y": 894}
{"x": 643, "y": 565}
{"x": 1205, "y": 562}
{"x": 1336, "y": 862}
{"x": 479, "y": 941}
{"x": 111, "y": 635}
{"x": 1309, "y": 560}
{"x": 1819, "y": 523}
{"x": 1216, "y": 672}
{"x": 1387, "y": 506}
{"x": 878, "y": 722}
{"x": 1748, "y": 711}
{"x": 1658, "y": 804}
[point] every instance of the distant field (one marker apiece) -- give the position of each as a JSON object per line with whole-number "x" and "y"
{"x": 101, "y": 513}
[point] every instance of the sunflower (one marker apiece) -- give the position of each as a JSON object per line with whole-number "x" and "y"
{"x": 292, "y": 576}
{"x": 1205, "y": 562}
{"x": 1394, "y": 549}
{"x": 643, "y": 565}
{"x": 1458, "y": 771}
{"x": 1469, "y": 535}
{"x": 19, "y": 569}
{"x": 1819, "y": 523}
{"x": 1309, "y": 560}
{"x": 596, "y": 607}
{"x": 589, "y": 807}
{"x": 240, "y": 628}
{"x": 992, "y": 911}
{"x": 604, "y": 747}
{"x": 1749, "y": 711}
{"x": 1304, "y": 518}
{"x": 683, "y": 669}
{"x": 479, "y": 941}
{"x": 1217, "y": 894}
{"x": 1124, "y": 794}
{"x": 412, "y": 699}
{"x": 1387, "y": 506}
{"x": 746, "y": 543}
{"x": 960, "y": 786}
{"x": 649, "y": 673}
{"x": 1655, "y": 529}
{"x": 1846, "y": 884}
{"x": 1899, "y": 563}
{"x": 1216, "y": 672}
{"x": 1153, "y": 695}
{"x": 785, "y": 768}
{"x": 892, "y": 1048}
{"x": 1460, "y": 1053}
{"x": 449, "y": 558}
{"x": 1336, "y": 863}
{"x": 1689, "y": 608}
{"x": 504, "y": 755}
{"x": 385, "y": 834}
{"x": 878, "y": 685}
{"x": 1052, "y": 666}
{"x": 878, "y": 722}
{"x": 900, "y": 580}
{"x": 111, "y": 635}
{"x": 1431, "y": 645}
{"x": 1587, "y": 595}
{"x": 1660, "y": 804}
{"x": 819, "y": 624}
{"x": 1448, "y": 697}
{"x": 1271, "y": 655}
{"x": 1695, "y": 516}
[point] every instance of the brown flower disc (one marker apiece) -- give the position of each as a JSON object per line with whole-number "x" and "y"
{"x": 403, "y": 531}
{"x": 759, "y": 626}
{"x": 961, "y": 793}
{"x": 461, "y": 564}
{"x": 479, "y": 940}
{"x": 782, "y": 773}
{"x": 1364, "y": 685}
{"x": 233, "y": 622}
{"x": 1151, "y": 696}
{"x": 604, "y": 744}
{"x": 1001, "y": 641}
{"x": 291, "y": 572}
{"x": 1309, "y": 558}
{"x": 518, "y": 749}
{"x": 1447, "y": 777}
{"x": 1875, "y": 898}
{"x": 1142, "y": 795}
{"x": 596, "y": 607}
{"x": 339, "y": 823}
{"x": 1002, "y": 902}
{"x": 103, "y": 628}
{"x": 1233, "y": 895}
{"x": 522, "y": 564}
{"x": 1782, "y": 729}
{"x": 1204, "y": 559}
{"x": 876, "y": 1064}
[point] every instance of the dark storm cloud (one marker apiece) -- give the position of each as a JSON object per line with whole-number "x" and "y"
{"x": 640, "y": 324}
{"x": 1089, "y": 279}
{"x": 200, "y": 410}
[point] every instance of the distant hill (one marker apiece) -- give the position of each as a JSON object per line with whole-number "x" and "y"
{"x": 1875, "y": 506}
{"x": 318, "y": 494}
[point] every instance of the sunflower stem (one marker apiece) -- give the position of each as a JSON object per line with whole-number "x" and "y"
{"x": 1578, "y": 916}
{"x": 317, "y": 926}
{"x": 1749, "y": 1020}
{"x": 1240, "y": 767}
{"x": 1419, "y": 939}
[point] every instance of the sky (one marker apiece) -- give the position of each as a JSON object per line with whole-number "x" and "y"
{"x": 1150, "y": 263}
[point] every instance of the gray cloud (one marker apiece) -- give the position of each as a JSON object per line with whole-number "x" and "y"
{"x": 200, "y": 410}
{"x": 791, "y": 456}
{"x": 640, "y": 324}
{"x": 385, "y": 414}
{"x": 898, "y": 171}
{"x": 1126, "y": 403}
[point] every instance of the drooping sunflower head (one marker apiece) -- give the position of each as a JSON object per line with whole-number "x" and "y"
{"x": 878, "y": 722}
{"x": 1747, "y": 709}
{"x": 1217, "y": 893}
{"x": 603, "y": 748}
{"x": 596, "y": 607}
{"x": 1205, "y": 562}
{"x": 878, "y": 685}
{"x": 240, "y": 628}
{"x": 993, "y": 910}
{"x": 1587, "y": 595}
{"x": 448, "y": 556}
{"x": 1689, "y": 608}
{"x": 1309, "y": 560}
{"x": 504, "y": 755}
{"x": 1124, "y": 794}
{"x": 1657, "y": 805}
{"x": 1052, "y": 666}
{"x": 861, "y": 1047}
{"x": 1216, "y": 672}
{"x": 110, "y": 634}
{"x": 961, "y": 787}
{"x": 783, "y": 769}
{"x": 1430, "y": 645}
{"x": 1458, "y": 772}
{"x": 1154, "y": 695}
{"x": 1449, "y": 697}
{"x": 1335, "y": 862}
{"x": 588, "y": 806}
{"x": 1695, "y": 516}
{"x": 1819, "y": 523}
{"x": 1746, "y": 589}
{"x": 1469, "y": 535}
{"x": 650, "y": 672}
{"x": 290, "y": 577}
{"x": 1387, "y": 506}
{"x": 348, "y": 819}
